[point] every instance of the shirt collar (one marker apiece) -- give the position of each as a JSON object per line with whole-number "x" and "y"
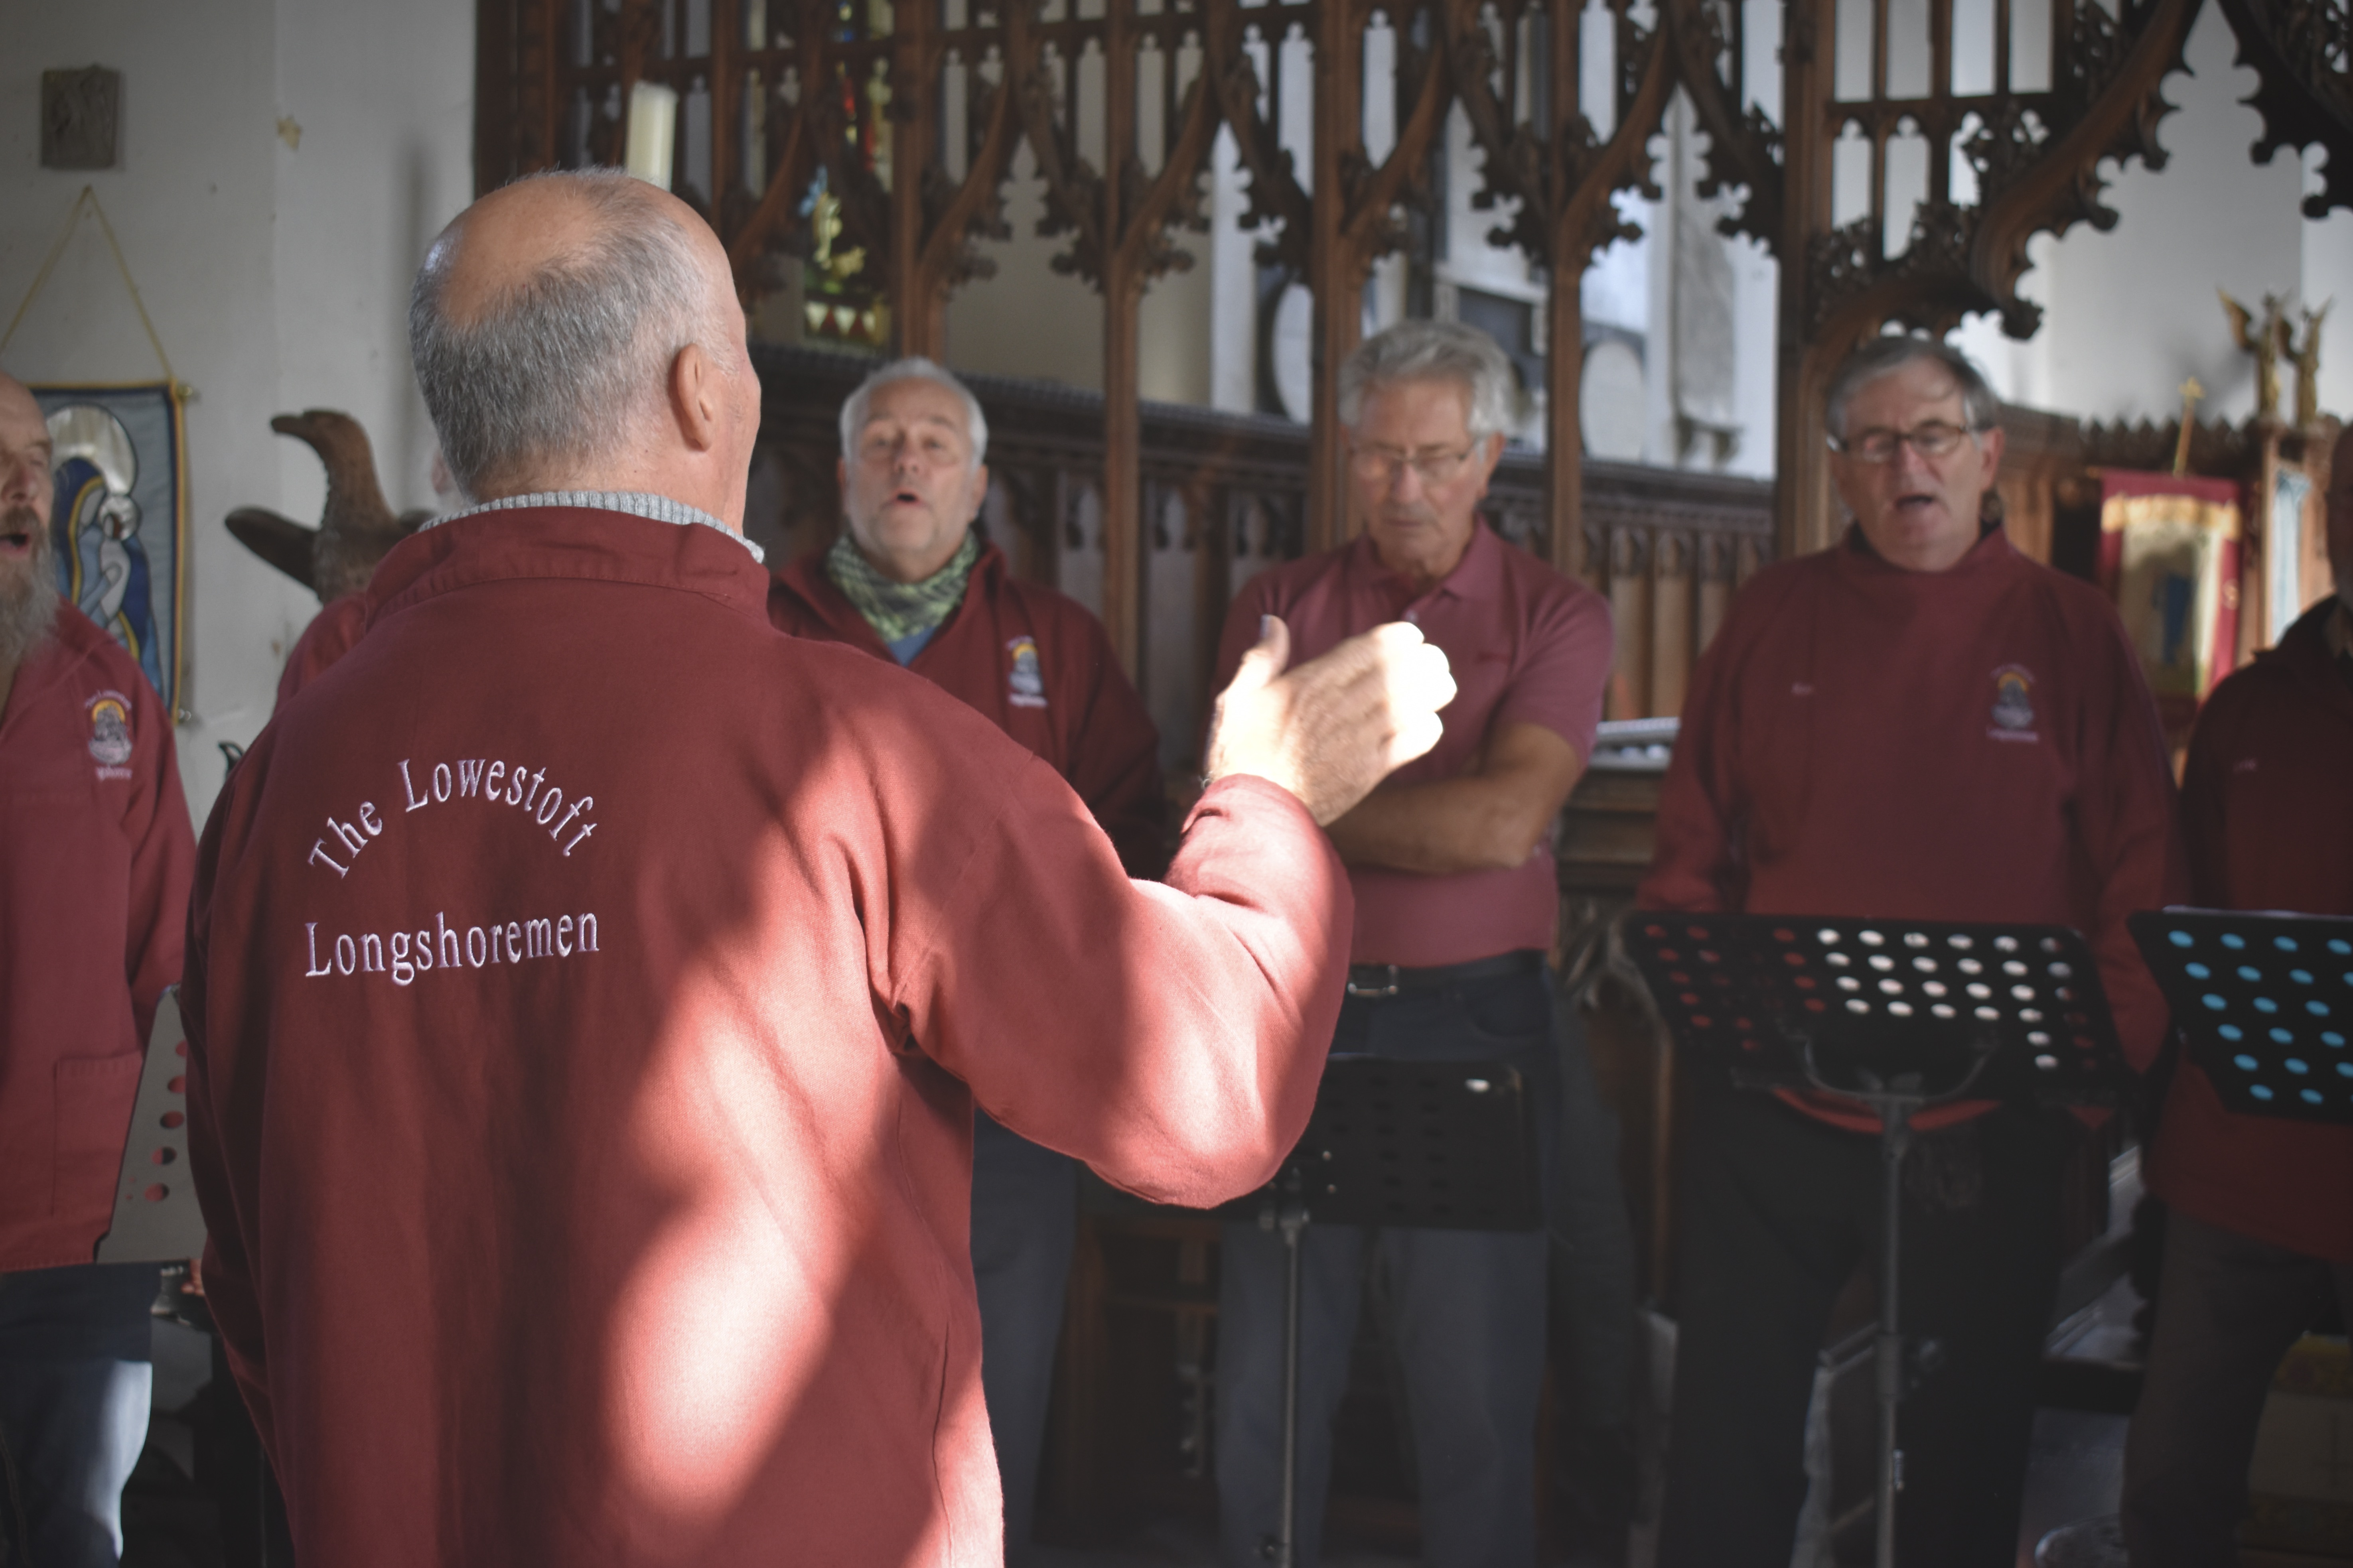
{"x": 1475, "y": 577}
{"x": 634, "y": 503}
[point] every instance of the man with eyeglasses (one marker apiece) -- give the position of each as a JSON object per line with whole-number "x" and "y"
{"x": 1918, "y": 724}
{"x": 911, "y": 579}
{"x": 2259, "y": 1229}
{"x": 1456, "y": 905}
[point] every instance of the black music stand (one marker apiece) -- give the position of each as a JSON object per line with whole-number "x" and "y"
{"x": 1433, "y": 1144}
{"x": 2265, "y": 1002}
{"x": 1892, "y": 1016}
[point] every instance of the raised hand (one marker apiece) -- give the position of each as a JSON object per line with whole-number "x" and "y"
{"x": 1335, "y": 727}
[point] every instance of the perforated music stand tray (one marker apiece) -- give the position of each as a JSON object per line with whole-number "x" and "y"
{"x": 1744, "y": 996}
{"x": 156, "y": 1219}
{"x": 2265, "y": 1002}
{"x": 1438, "y": 1145}
{"x": 1435, "y": 1145}
{"x": 1892, "y": 1016}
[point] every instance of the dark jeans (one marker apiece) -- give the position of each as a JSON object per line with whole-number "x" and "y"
{"x": 1024, "y": 1226}
{"x": 1466, "y": 1309}
{"x": 2229, "y": 1308}
{"x": 74, "y": 1383}
{"x": 1775, "y": 1210}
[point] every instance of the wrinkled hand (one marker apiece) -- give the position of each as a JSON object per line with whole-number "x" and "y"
{"x": 1331, "y": 730}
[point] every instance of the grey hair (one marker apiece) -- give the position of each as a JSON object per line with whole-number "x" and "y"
{"x": 557, "y": 365}
{"x": 1892, "y": 353}
{"x": 914, "y": 367}
{"x": 1434, "y": 351}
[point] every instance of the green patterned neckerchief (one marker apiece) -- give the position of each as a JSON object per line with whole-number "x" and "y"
{"x": 897, "y": 611}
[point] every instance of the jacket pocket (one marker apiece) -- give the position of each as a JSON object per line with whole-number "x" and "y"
{"x": 93, "y": 1097}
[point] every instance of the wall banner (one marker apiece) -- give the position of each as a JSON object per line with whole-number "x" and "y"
{"x": 120, "y": 519}
{"x": 2170, "y": 558}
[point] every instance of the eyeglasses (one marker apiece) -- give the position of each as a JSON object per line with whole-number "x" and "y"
{"x": 1933, "y": 440}
{"x": 930, "y": 448}
{"x": 1433, "y": 468}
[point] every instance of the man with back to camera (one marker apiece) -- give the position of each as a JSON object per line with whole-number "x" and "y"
{"x": 1456, "y": 904}
{"x": 95, "y": 856}
{"x": 1918, "y": 724}
{"x": 589, "y": 987}
{"x": 911, "y": 579}
{"x": 2259, "y": 1227}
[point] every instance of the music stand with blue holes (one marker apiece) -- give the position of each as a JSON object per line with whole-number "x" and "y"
{"x": 2265, "y": 1002}
{"x": 1890, "y": 1017}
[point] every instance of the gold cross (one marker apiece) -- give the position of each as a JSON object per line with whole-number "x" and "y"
{"x": 2190, "y": 393}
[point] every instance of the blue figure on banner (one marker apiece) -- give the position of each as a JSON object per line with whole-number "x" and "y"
{"x": 102, "y": 566}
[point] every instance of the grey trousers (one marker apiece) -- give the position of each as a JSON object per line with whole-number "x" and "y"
{"x": 2228, "y": 1310}
{"x": 1025, "y": 1224}
{"x": 1465, "y": 1310}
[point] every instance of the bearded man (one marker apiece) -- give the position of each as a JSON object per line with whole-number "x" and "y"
{"x": 95, "y": 859}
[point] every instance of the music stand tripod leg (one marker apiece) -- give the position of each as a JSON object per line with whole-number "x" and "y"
{"x": 1282, "y": 1548}
{"x": 1887, "y": 1346}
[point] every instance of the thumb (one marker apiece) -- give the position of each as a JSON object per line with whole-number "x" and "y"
{"x": 1267, "y": 659}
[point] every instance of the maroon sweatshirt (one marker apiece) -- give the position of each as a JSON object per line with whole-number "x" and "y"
{"x": 2268, "y": 801}
{"x": 329, "y": 636}
{"x": 1972, "y": 744}
{"x": 95, "y": 856}
{"x": 589, "y": 989}
{"x": 1035, "y": 663}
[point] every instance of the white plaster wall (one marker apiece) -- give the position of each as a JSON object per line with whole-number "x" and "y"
{"x": 1029, "y": 319}
{"x": 275, "y": 276}
{"x": 385, "y": 95}
{"x": 2130, "y": 313}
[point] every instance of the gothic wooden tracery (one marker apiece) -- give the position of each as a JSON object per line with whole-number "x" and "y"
{"x": 1895, "y": 156}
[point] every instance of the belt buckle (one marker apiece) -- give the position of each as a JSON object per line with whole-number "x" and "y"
{"x": 1388, "y": 990}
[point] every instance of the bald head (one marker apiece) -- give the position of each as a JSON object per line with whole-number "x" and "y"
{"x": 557, "y": 324}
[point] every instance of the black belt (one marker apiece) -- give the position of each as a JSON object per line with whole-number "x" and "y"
{"x": 1388, "y": 979}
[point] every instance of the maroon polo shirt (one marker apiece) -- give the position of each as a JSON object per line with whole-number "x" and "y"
{"x": 1527, "y": 645}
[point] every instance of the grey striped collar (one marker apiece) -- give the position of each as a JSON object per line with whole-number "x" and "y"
{"x": 634, "y": 503}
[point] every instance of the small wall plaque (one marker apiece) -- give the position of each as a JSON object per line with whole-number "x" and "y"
{"x": 80, "y": 112}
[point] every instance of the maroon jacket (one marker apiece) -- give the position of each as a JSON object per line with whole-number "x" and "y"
{"x": 588, "y": 993}
{"x": 1069, "y": 701}
{"x": 95, "y": 857}
{"x": 1972, "y": 744}
{"x": 2268, "y": 799}
{"x": 329, "y": 636}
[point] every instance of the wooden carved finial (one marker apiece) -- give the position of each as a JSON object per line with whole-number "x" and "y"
{"x": 2263, "y": 340}
{"x": 2190, "y": 393}
{"x": 2306, "y": 358}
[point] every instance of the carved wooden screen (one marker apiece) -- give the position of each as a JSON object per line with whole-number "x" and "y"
{"x": 1895, "y": 155}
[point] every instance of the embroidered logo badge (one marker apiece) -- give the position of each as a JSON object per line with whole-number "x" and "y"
{"x": 109, "y": 729}
{"x": 2013, "y": 703}
{"x": 1025, "y": 686}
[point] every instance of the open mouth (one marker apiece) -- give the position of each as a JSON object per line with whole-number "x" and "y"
{"x": 16, "y": 542}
